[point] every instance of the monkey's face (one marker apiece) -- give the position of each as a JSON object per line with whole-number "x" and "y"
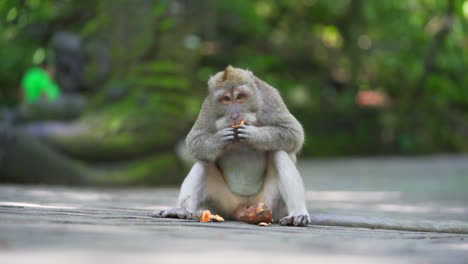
{"x": 235, "y": 104}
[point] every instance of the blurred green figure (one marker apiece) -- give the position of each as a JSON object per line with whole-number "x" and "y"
{"x": 37, "y": 85}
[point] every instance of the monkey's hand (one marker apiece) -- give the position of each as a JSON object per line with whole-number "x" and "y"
{"x": 273, "y": 137}
{"x": 299, "y": 219}
{"x": 209, "y": 146}
{"x": 178, "y": 212}
{"x": 247, "y": 133}
{"x": 226, "y": 135}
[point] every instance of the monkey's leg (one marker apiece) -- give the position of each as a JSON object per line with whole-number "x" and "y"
{"x": 222, "y": 200}
{"x": 291, "y": 189}
{"x": 190, "y": 196}
{"x": 270, "y": 194}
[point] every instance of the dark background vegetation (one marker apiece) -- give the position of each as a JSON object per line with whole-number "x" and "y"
{"x": 144, "y": 64}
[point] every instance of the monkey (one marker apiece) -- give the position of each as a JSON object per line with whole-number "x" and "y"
{"x": 237, "y": 167}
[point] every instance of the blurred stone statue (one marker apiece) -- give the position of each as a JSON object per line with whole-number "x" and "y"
{"x": 79, "y": 65}
{"x": 68, "y": 61}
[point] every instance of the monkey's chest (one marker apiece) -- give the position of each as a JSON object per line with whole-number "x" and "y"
{"x": 243, "y": 169}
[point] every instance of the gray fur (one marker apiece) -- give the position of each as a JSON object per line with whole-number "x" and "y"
{"x": 271, "y": 132}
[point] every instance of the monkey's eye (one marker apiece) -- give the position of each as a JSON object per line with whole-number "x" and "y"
{"x": 241, "y": 96}
{"x": 225, "y": 99}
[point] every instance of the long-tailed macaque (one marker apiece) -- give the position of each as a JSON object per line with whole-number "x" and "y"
{"x": 237, "y": 167}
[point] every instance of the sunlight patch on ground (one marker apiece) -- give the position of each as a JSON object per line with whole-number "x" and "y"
{"x": 419, "y": 209}
{"x": 351, "y": 196}
{"x": 82, "y": 196}
{"x": 458, "y": 246}
{"x": 31, "y": 205}
{"x": 405, "y": 208}
{"x": 396, "y": 208}
{"x": 206, "y": 256}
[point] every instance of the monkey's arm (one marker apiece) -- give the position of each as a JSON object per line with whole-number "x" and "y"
{"x": 209, "y": 146}
{"x": 287, "y": 136}
{"x": 279, "y": 129}
{"x": 203, "y": 142}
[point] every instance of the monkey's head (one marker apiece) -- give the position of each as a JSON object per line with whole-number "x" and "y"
{"x": 234, "y": 96}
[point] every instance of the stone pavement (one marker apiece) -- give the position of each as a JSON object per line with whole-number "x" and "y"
{"x": 51, "y": 224}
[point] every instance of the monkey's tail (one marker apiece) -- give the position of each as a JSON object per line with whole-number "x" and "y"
{"x": 457, "y": 227}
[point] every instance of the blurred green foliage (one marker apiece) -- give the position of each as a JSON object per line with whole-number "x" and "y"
{"x": 320, "y": 54}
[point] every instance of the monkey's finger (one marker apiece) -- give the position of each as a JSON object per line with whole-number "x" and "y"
{"x": 229, "y": 133}
{"x": 167, "y": 213}
{"x": 242, "y": 131}
{"x": 175, "y": 213}
{"x": 283, "y": 222}
{"x": 228, "y": 138}
{"x": 242, "y": 136}
{"x": 243, "y": 128}
{"x": 301, "y": 220}
{"x": 156, "y": 213}
{"x": 298, "y": 220}
{"x": 228, "y": 129}
{"x": 306, "y": 221}
{"x": 287, "y": 220}
{"x": 184, "y": 215}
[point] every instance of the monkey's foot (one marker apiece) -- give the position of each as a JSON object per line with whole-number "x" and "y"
{"x": 180, "y": 213}
{"x": 295, "y": 220}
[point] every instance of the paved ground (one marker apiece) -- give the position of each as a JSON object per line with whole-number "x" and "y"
{"x": 44, "y": 224}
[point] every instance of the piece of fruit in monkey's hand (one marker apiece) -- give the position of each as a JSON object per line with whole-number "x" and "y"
{"x": 238, "y": 125}
{"x": 256, "y": 214}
